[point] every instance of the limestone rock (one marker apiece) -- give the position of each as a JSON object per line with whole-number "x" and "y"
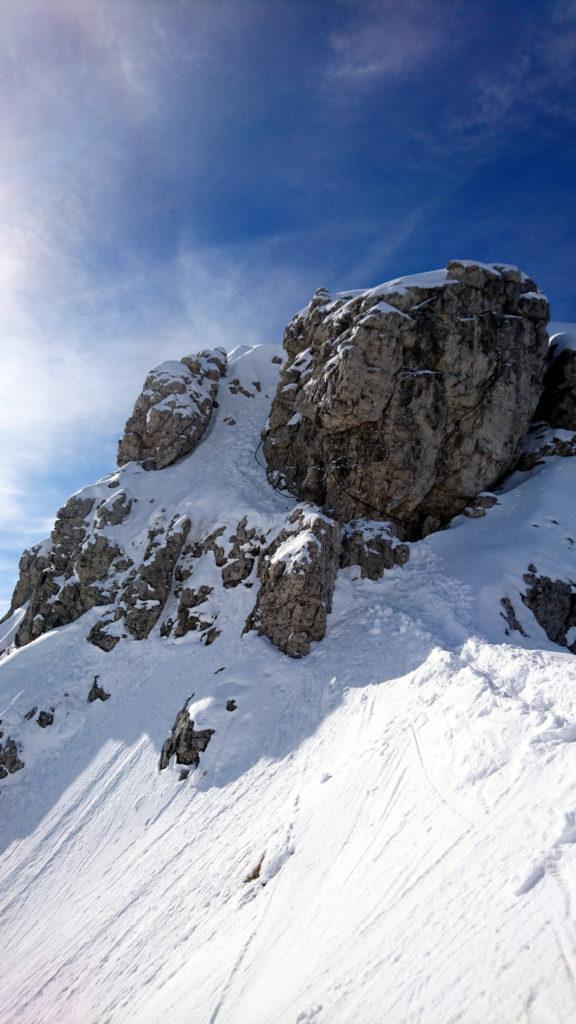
{"x": 114, "y": 510}
{"x": 32, "y": 564}
{"x": 553, "y": 604}
{"x": 405, "y": 401}
{"x": 173, "y": 410}
{"x": 147, "y": 590}
{"x": 9, "y": 760}
{"x": 185, "y": 742}
{"x": 373, "y": 547}
{"x": 246, "y": 544}
{"x": 97, "y": 692}
{"x": 558, "y": 404}
{"x": 297, "y": 574}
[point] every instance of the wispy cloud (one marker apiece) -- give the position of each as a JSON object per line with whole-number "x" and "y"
{"x": 387, "y": 39}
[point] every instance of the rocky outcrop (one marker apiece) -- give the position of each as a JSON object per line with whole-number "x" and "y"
{"x": 553, "y": 604}
{"x": 147, "y": 589}
{"x": 97, "y": 692}
{"x": 173, "y": 410}
{"x": 297, "y": 575}
{"x": 9, "y": 759}
{"x": 373, "y": 547}
{"x": 113, "y": 511}
{"x": 73, "y": 572}
{"x": 185, "y": 742}
{"x": 30, "y": 569}
{"x": 405, "y": 401}
{"x": 246, "y": 543}
{"x": 558, "y": 404}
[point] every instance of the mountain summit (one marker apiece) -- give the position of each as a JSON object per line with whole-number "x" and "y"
{"x": 289, "y": 698}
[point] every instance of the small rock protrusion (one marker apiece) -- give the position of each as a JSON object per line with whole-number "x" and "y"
{"x": 231, "y": 705}
{"x": 97, "y": 692}
{"x": 45, "y": 718}
{"x": 30, "y": 714}
{"x": 9, "y": 760}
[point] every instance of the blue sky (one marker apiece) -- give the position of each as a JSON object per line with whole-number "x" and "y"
{"x": 178, "y": 174}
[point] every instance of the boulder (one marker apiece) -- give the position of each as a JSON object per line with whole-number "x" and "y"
{"x": 373, "y": 547}
{"x": 553, "y": 604}
{"x": 403, "y": 402}
{"x": 297, "y": 574}
{"x": 173, "y": 410}
{"x": 185, "y": 742}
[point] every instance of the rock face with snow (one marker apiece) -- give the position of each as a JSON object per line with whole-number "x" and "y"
{"x": 297, "y": 574}
{"x": 553, "y": 604}
{"x": 404, "y": 401}
{"x": 185, "y": 742}
{"x": 173, "y": 410}
{"x": 558, "y": 404}
{"x": 373, "y": 547}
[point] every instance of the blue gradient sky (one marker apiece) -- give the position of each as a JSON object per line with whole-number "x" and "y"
{"x": 177, "y": 174}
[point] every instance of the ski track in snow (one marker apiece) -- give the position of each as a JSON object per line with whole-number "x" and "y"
{"x": 407, "y": 789}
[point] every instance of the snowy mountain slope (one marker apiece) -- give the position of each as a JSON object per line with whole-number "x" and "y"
{"x": 403, "y": 800}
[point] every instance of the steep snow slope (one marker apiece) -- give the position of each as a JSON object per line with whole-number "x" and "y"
{"x": 405, "y": 795}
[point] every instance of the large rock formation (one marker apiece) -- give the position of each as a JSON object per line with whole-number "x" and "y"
{"x": 173, "y": 410}
{"x": 558, "y": 404}
{"x": 297, "y": 575}
{"x": 403, "y": 402}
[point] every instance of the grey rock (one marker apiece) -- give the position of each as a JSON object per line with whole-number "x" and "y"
{"x": 558, "y": 403}
{"x": 45, "y": 718}
{"x": 97, "y": 692}
{"x": 101, "y": 637}
{"x": 173, "y": 411}
{"x": 297, "y": 574}
{"x": 146, "y": 592}
{"x": 185, "y": 742}
{"x": 114, "y": 510}
{"x": 553, "y": 604}
{"x": 404, "y": 402}
{"x": 246, "y": 545}
{"x": 30, "y": 569}
{"x": 30, "y": 714}
{"x": 373, "y": 547}
{"x": 9, "y": 760}
{"x": 190, "y": 598}
{"x": 508, "y": 613}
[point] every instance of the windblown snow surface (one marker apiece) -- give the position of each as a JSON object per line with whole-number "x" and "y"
{"x": 405, "y": 794}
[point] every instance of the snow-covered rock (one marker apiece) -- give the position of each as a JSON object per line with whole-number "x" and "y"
{"x": 173, "y": 410}
{"x": 361, "y": 823}
{"x": 406, "y": 400}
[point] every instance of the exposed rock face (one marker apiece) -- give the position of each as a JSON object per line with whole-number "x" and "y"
{"x": 373, "y": 547}
{"x": 173, "y": 410}
{"x": 145, "y": 594}
{"x": 74, "y": 571}
{"x": 405, "y": 401}
{"x": 57, "y": 598}
{"x": 553, "y": 604}
{"x": 184, "y": 741}
{"x": 558, "y": 403}
{"x": 114, "y": 510}
{"x": 246, "y": 545}
{"x": 32, "y": 564}
{"x": 297, "y": 574}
